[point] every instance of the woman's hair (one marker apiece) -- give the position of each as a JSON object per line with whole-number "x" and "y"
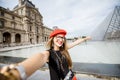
{"x": 63, "y": 49}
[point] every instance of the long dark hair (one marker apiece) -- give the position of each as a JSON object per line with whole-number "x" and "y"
{"x": 63, "y": 49}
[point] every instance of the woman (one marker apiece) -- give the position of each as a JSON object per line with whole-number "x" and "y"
{"x": 57, "y": 57}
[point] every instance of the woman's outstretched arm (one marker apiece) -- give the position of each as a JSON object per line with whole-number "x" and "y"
{"x": 30, "y": 65}
{"x": 35, "y": 62}
{"x": 78, "y": 41}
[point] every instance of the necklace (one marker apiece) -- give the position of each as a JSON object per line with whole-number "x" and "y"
{"x": 61, "y": 65}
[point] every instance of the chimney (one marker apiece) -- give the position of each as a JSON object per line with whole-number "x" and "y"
{"x": 20, "y": 3}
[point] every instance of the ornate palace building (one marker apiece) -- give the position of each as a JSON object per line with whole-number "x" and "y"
{"x": 22, "y": 26}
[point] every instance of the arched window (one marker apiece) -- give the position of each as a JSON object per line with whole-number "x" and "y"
{"x": 6, "y": 37}
{"x": 17, "y": 38}
{"x": 37, "y": 38}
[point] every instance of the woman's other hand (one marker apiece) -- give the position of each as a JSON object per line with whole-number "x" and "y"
{"x": 86, "y": 37}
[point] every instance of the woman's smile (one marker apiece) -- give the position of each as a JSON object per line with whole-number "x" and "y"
{"x": 59, "y": 40}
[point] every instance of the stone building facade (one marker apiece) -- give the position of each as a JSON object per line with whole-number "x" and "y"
{"x": 46, "y": 33}
{"x": 22, "y": 26}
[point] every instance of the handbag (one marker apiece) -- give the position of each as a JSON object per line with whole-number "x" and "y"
{"x": 70, "y": 76}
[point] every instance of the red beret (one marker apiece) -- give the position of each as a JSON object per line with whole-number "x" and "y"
{"x": 58, "y": 31}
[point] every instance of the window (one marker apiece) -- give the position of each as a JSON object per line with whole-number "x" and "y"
{"x": 37, "y": 29}
{"x": 1, "y": 23}
{"x": 28, "y": 12}
{"x": 35, "y": 16}
{"x": 1, "y": 13}
{"x": 30, "y": 28}
{"x": 13, "y": 17}
{"x": 13, "y": 25}
{"x": 21, "y": 11}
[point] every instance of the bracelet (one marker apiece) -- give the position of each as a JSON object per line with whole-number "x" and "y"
{"x": 22, "y": 72}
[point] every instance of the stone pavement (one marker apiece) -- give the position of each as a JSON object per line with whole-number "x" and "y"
{"x": 44, "y": 75}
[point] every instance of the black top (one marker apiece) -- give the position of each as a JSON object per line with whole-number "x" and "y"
{"x": 56, "y": 72}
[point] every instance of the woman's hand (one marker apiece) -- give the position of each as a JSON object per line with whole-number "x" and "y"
{"x": 86, "y": 38}
{"x": 9, "y": 73}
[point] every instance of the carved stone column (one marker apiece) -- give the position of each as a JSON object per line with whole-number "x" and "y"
{"x": 13, "y": 39}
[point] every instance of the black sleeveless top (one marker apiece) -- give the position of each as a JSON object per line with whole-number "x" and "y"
{"x": 56, "y": 72}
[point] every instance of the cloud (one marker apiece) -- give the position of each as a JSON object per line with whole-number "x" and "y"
{"x": 76, "y": 16}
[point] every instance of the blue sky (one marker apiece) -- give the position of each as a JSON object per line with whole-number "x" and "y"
{"x": 78, "y": 17}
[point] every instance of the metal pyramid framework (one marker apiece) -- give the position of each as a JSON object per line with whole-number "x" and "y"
{"x": 113, "y": 28}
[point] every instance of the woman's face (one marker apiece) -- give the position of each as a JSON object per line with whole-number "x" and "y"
{"x": 59, "y": 40}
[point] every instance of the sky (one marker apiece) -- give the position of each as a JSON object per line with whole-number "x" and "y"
{"x": 77, "y": 17}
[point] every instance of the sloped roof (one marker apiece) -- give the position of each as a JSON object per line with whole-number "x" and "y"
{"x": 26, "y": 3}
